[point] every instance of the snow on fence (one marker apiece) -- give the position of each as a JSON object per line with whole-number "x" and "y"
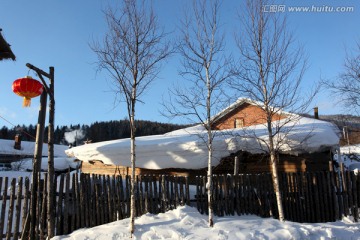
{"x": 307, "y": 196}
{"x": 84, "y": 200}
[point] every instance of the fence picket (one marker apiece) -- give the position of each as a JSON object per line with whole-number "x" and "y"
{"x": 11, "y": 208}
{"x": 3, "y": 206}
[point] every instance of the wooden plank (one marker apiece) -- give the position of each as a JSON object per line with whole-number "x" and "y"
{"x": 177, "y": 193}
{"x": 181, "y": 187}
{"x": 83, "y": 200}
{"x": 225, "y": 193}
{"x": 142, "y": 198}
{"x": 3, "y": 205}
{"x": 38, "y": 204}
{"x": 172, "y": 194}
{"x": 345, "y": 193}
{"x": 287, "y": 189}
{"x": 105, "y": 199}
{"x": 163, "y": 193}
{"x": 43, "y": 208}
{"x": 122, "y": 198}
{"x": 221, "y": 206}
{"x": 317, "y": 192}
{"x": 168, "y": 194}
{"x": 78, "y": 205}
{"x": 137, "y": 197}
{"x": 1, "y": 181}
{"x": 66, "y": 203}
{"x": 334, "y": 196}
{"x": 128, "y": 195}
{"x": 348, "y": 192}
{"x": 146, "y": 194}
{"x": 25, "y": 205}
{"x": 215, "y": 195}
{"x": 156, "y": 195}
{"x": 86, "y": 184}
{"x": 326, "y": 198}
{"x": 231, "y": 194}
{"x": 205, "y": 196}
{"x": 59, "y": 213}
{"x": 330, "y": 197}
{"x": 111, "y": 198}
{"x": 11, "y": 209}
{"x": 355, "y": 209}
{"x": 236, "y": 194}
{"x": 187, "y": 190}
{"x": 98, "y": 200}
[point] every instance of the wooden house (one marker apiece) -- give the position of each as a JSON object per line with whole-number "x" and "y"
{"x": 242, "y": 114}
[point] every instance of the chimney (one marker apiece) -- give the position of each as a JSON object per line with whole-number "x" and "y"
{"x": 17, "y": 144}
{"x": 316, "y": 112}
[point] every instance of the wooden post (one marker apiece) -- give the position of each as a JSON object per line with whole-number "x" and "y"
{"x": 51, "y": 172}
{"x": 49, "y": 90}
{"x": 236, "y": 165}
{"x": 36, "y": 165}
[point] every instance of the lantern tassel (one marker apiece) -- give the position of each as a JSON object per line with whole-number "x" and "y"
{"x": 26, "y": 102}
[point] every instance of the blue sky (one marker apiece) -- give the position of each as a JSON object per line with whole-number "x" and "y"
{"x": 57, "y": 33}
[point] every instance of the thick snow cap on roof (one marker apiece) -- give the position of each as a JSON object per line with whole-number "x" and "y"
{"x": 27, "y": 148}
{"x": 186, "y": 148}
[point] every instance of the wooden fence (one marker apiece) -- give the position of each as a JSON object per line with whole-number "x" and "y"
{"x": 84, "y": 200}
{"x": 307, "y": 197}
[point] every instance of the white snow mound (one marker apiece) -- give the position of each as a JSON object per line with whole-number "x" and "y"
{"x": 187, "y": 148}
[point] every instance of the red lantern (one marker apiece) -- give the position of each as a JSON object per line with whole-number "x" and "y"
{"x": 28, "y": 88}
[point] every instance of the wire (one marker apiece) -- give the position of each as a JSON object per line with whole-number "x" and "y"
{"x": 22, "y": 130}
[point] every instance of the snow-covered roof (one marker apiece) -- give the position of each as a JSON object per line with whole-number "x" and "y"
{"x": 186, "y": 148}
{"x": 27, "y": 148}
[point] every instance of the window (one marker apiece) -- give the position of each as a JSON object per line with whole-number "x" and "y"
{"x": 239, "y": 123}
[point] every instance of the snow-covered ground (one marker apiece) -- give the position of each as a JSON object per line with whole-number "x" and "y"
{"x": 187, "y": 223}
{"x": 350, "y": 157}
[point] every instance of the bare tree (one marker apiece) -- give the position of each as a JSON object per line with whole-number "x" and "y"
{"x": 205, "y": 68}
{"x": 347, "y": 86}
{"x": 131, "y": 53}
{"x": 270, "y": 72}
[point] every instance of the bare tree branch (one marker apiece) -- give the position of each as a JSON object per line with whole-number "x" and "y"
{"x": 131, "y": 53}
{"x": 269, "y": 72}
{"x": 205, "y": 67}
{"x": 346, "y": 87}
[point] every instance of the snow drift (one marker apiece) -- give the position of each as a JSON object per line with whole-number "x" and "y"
{"x": 186, "y": 148}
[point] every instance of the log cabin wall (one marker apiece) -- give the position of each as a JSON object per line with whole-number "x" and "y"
{"x": 259, "y": 163}
{"x": 243, "y": 116}
{"x": 97, "y": 167}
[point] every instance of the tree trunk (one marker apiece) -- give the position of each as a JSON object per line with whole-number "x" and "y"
{"x": 133, "y": 159}
{"x": 209, "y": 133}
{"x": 275, "y": 177}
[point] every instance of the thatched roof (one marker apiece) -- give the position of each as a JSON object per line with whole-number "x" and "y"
{"x": 5, "y": 50}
